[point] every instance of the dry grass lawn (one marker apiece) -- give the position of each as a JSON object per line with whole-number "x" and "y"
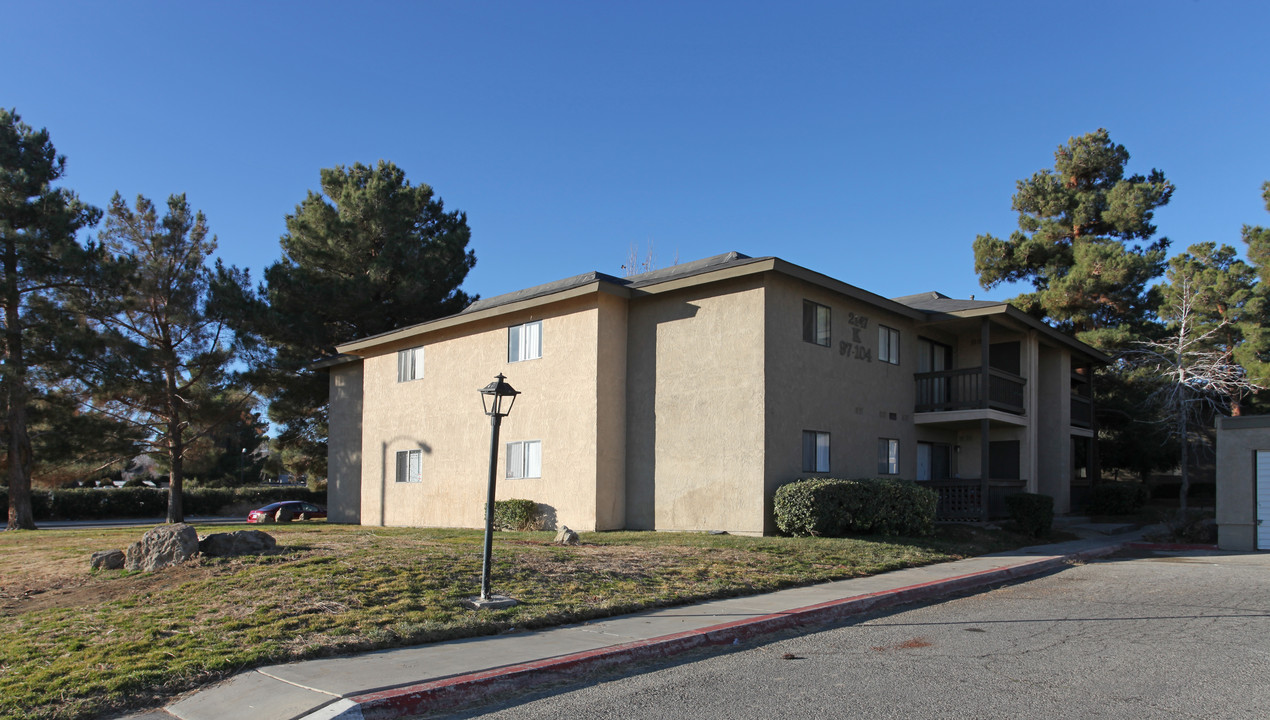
{"x": 78, "y": 644}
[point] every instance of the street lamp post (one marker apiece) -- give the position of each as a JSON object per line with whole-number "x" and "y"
{"x": 498, "y": 398}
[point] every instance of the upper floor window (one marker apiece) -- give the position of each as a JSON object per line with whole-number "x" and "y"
{"x": 815, "y": 323}
{"x": 524, "y": 459}
{"x": 410, "y": 466}
{"x": 524, "y": 342}
{"x": 815, "y": 451}
{"x": 888, "y": 345}
{"x": 409, "y": 364}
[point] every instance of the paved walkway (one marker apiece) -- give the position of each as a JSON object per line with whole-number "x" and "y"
{"x": 406, "y": 681}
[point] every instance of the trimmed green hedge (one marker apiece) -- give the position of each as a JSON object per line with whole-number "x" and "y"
{"x": 1118, "y": 498}
{"x": 833, "y": 508}
{"x": 516, "y": 514}
{"x": 1032, "y": 514}
{"x": 141, "y": 502}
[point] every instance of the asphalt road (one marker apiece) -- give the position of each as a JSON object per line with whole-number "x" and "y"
{"x": 1177, "y": 635}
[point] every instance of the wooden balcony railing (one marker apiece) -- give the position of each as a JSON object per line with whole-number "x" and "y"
{"x": 962, "y": 389}
{"x": 962, "y": 499}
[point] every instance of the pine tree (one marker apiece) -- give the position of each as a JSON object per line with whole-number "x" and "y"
{"x": 1254, "y": 352}
{"x": 170, "y": 349}
{"x": 38, "y": 256}
{"x": 1084, "y": 242}
{"x": 369, "y": 254}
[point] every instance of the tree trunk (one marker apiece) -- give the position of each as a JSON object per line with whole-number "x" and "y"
{"x": 176, "y": 451}
{"x": 1186, "y": 477}
{"x": 20, "y": 516}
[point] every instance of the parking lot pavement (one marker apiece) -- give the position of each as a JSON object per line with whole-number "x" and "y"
{"x": 1143, "y": 634}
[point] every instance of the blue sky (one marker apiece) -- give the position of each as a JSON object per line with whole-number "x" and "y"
{"x": 868, "y": 141}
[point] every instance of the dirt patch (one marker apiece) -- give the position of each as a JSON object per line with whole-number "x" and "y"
{"x": 28, "y": 593}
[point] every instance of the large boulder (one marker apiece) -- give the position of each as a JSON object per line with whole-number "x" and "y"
{"x": 242, "y": 542}
{"x": 162, "y": 546}
{"x": 107, "y": 560}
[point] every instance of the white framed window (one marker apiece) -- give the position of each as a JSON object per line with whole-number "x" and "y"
{"x": 524, "y": 342}
{"x": 410, "y": 364}
{"x": 816, "y": 323}
{"x": 524, "y": 459}
{"x": 888, "y": 456}
{"x": 815, "y": 451}
{"x": 409, "y": 466}
{"x": 888, "y": 345}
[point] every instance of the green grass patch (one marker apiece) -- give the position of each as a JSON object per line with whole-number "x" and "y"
{"x": 78, "y": 643}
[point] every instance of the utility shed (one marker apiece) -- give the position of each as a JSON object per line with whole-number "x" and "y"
{"x": 1243, "y": 482}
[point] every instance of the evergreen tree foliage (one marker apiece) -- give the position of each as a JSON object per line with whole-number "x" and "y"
{"x": 369, "y": 254}
{"x": 1084, "y": 242}
{"x": 1254, "y": 325}
{"x": 170, "y": 347}
{"x": 231, "y": 453}
{"x": 39, "y": 255}
{"x": 1217, "y": 294}
{"x": 1131, "y": 437}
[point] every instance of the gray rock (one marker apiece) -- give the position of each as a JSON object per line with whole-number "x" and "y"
{"x": 162, "y": 546}
{"x": 107, "y": 560}
{"x": 566, "y": 536}
{"x": 242, "y": 542}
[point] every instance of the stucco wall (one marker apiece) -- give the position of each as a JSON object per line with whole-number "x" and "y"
{"x": 610, "y": 430}
{"x": 344, "y": 445}
{"x": 694, "y": 422}
{"x": 843, "y": 389}
{"x": 1238, "y": 439}
{"x": 1054, "y": 435}
{"x": 441, "y": 415}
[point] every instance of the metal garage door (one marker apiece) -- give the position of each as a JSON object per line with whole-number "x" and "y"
{"x": 1263, "y": 500}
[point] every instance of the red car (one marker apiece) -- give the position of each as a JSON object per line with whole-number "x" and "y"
{"x": 287, "y": 511}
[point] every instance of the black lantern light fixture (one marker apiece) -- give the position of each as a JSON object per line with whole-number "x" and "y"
{"x": 498, "y": 398}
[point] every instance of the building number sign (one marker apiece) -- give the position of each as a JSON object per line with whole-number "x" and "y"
{"x": 856, "y": 348}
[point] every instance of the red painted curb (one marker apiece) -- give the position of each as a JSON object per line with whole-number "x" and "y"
{"x": 462, "y": 689}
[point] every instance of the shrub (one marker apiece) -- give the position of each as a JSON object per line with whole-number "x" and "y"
{"x": 516, "y": 515}
{"x": 140, "y": 502}
{"x": 1118, "y": 498}
{"x": 833, "y": 508}
{"x": 1032, "y": 514}
{"x": 1193, "y": 526}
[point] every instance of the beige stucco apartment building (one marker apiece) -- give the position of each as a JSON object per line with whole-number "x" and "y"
{"x": 680, "y": 399}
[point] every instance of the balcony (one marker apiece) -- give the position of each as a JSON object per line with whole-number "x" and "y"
{"x": 1082, "y": 411}
{"x": 963, "y": 389}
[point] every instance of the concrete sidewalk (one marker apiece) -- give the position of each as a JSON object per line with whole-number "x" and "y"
{"x": 407, "y": 681}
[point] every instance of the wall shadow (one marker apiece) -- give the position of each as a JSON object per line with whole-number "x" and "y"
{"x": 642, "y": 352}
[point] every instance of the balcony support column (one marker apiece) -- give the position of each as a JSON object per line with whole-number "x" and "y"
{"x": 985, "y": 338}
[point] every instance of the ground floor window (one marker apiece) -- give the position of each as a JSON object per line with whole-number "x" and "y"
{"x": 815, "y": 451}
{"x": 888, "y": 456}
{"x": 410, "y": 466}
{"x": 524, "y": 459}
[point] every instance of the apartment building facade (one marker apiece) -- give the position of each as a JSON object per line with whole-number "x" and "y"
{"x": 680, "y": 399}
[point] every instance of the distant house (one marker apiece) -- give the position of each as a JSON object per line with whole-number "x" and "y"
{"x": 680, "y": 399}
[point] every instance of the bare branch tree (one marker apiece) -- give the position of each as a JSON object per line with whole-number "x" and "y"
{"x": 1200, "y": 378}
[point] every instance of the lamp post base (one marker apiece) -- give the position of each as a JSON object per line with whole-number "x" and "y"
{"x": 493, "y": 602}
